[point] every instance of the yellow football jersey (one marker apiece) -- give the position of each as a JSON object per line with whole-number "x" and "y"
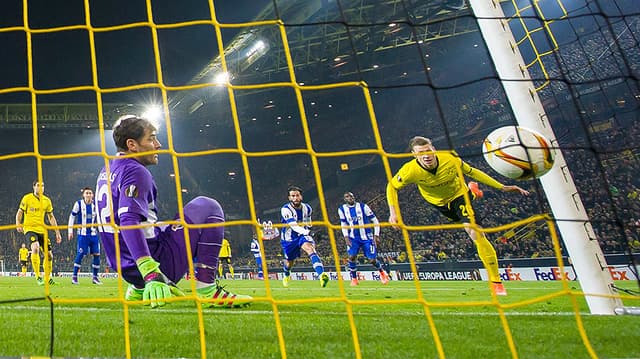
{"x": 443, "y": 185}
{"x": 225, "y": 250}
{"x": 23, "y": 254}
{"x": 34, "y": 211}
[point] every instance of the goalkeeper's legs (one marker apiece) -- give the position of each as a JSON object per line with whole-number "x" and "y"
{"x": 205, "y": 246}
{"x": 205, "y": 243}
{"x": 171, "y": 252}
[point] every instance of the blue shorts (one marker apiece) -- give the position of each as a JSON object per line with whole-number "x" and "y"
{"x": 291, "y": 249}
{"x": 368, "y": 248}
{"x": 88, "y": 244}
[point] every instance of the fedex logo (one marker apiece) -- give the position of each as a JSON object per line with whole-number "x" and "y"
{"x": 617, "y": 274}
{"x": 553, "y": 274}
{"x": 509, "y": 274}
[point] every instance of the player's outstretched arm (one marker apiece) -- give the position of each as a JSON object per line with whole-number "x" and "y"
{"x": 514, "y": 188}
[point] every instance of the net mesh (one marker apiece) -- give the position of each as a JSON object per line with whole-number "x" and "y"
{"x": 325, "y": 94}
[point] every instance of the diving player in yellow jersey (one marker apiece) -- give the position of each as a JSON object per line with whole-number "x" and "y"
{"x": 439, "y": 183}
{"x": 33, "y": 208}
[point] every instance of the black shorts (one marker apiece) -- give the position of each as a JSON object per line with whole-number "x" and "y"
{"x": 33, "y": 236}
{"x": 226, "y": 260}
{"x": 23, "y": 263}
{"x": 457, "y": 210}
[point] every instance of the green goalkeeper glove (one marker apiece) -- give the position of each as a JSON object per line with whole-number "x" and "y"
{"x": 157, "y": 287}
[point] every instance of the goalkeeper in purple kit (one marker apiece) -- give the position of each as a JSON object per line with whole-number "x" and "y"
{"x": 153, "y": 258}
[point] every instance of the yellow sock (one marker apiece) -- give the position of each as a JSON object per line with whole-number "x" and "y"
{"x": 231, "y": 270}
{"x": 220, "y": 270}
{"x": 24, "y": 270}
{"x": 35, "y": 263}
{"x": 48, "y": 267}
{"x": 488, "y": 256}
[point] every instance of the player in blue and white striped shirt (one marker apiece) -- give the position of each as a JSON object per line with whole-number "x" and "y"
{"x": 84, "y": 215}
{"x": 354, "y": 216}
{"x": 297, "y": 235}
{"x": 255, "y": 250}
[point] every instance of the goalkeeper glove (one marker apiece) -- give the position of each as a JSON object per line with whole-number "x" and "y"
{"x": 157, "y": 287}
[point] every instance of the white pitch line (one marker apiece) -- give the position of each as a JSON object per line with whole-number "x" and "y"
{"x": 244, "y": 311}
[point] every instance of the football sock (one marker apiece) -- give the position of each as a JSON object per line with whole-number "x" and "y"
{"x": 204, "y": 273}
{"x": 317, "y": 263}
{"x": 353, "y": 269}
{"x": 377, "y": 265}
{"x": 95, "y": 265}
{"x": 488, "y": 256}
{"x": 286, "y": 270}
{"x": 231, "y": 270}
{"x": 35, "y": 263}
{"x": 76, "y": 269}
{"x": 48, "y": 267}
{"x": 77, "y": 263}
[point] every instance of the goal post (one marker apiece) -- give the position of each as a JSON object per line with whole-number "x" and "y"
{"x": 572, "y": 220}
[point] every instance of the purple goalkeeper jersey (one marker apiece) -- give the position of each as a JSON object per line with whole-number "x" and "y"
{"x": 133, "y": 190}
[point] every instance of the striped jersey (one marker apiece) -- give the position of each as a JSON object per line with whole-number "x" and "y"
{"x": 358, "y": 215}
{"x": 298, "y": 218}
{"x": 83, "y": 214}
{"x": 255, "y": 248}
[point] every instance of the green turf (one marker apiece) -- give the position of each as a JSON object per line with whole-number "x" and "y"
{"x": 384, "y": 329}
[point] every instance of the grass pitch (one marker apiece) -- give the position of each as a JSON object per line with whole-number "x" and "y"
{"x": 401, "y": 320}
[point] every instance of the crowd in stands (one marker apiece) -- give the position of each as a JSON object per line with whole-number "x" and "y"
{"x": 604, "y": 162}
{"x": 607, "y": 183}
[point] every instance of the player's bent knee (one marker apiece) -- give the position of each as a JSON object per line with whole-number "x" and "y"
{"x": 204, "y": 210}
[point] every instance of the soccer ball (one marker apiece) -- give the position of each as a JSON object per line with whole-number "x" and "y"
{"x": 518, "y": 153}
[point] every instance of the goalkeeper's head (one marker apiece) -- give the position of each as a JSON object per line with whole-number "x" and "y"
{"x": 130, "y": 127}
{"x": 133, "y": 134}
